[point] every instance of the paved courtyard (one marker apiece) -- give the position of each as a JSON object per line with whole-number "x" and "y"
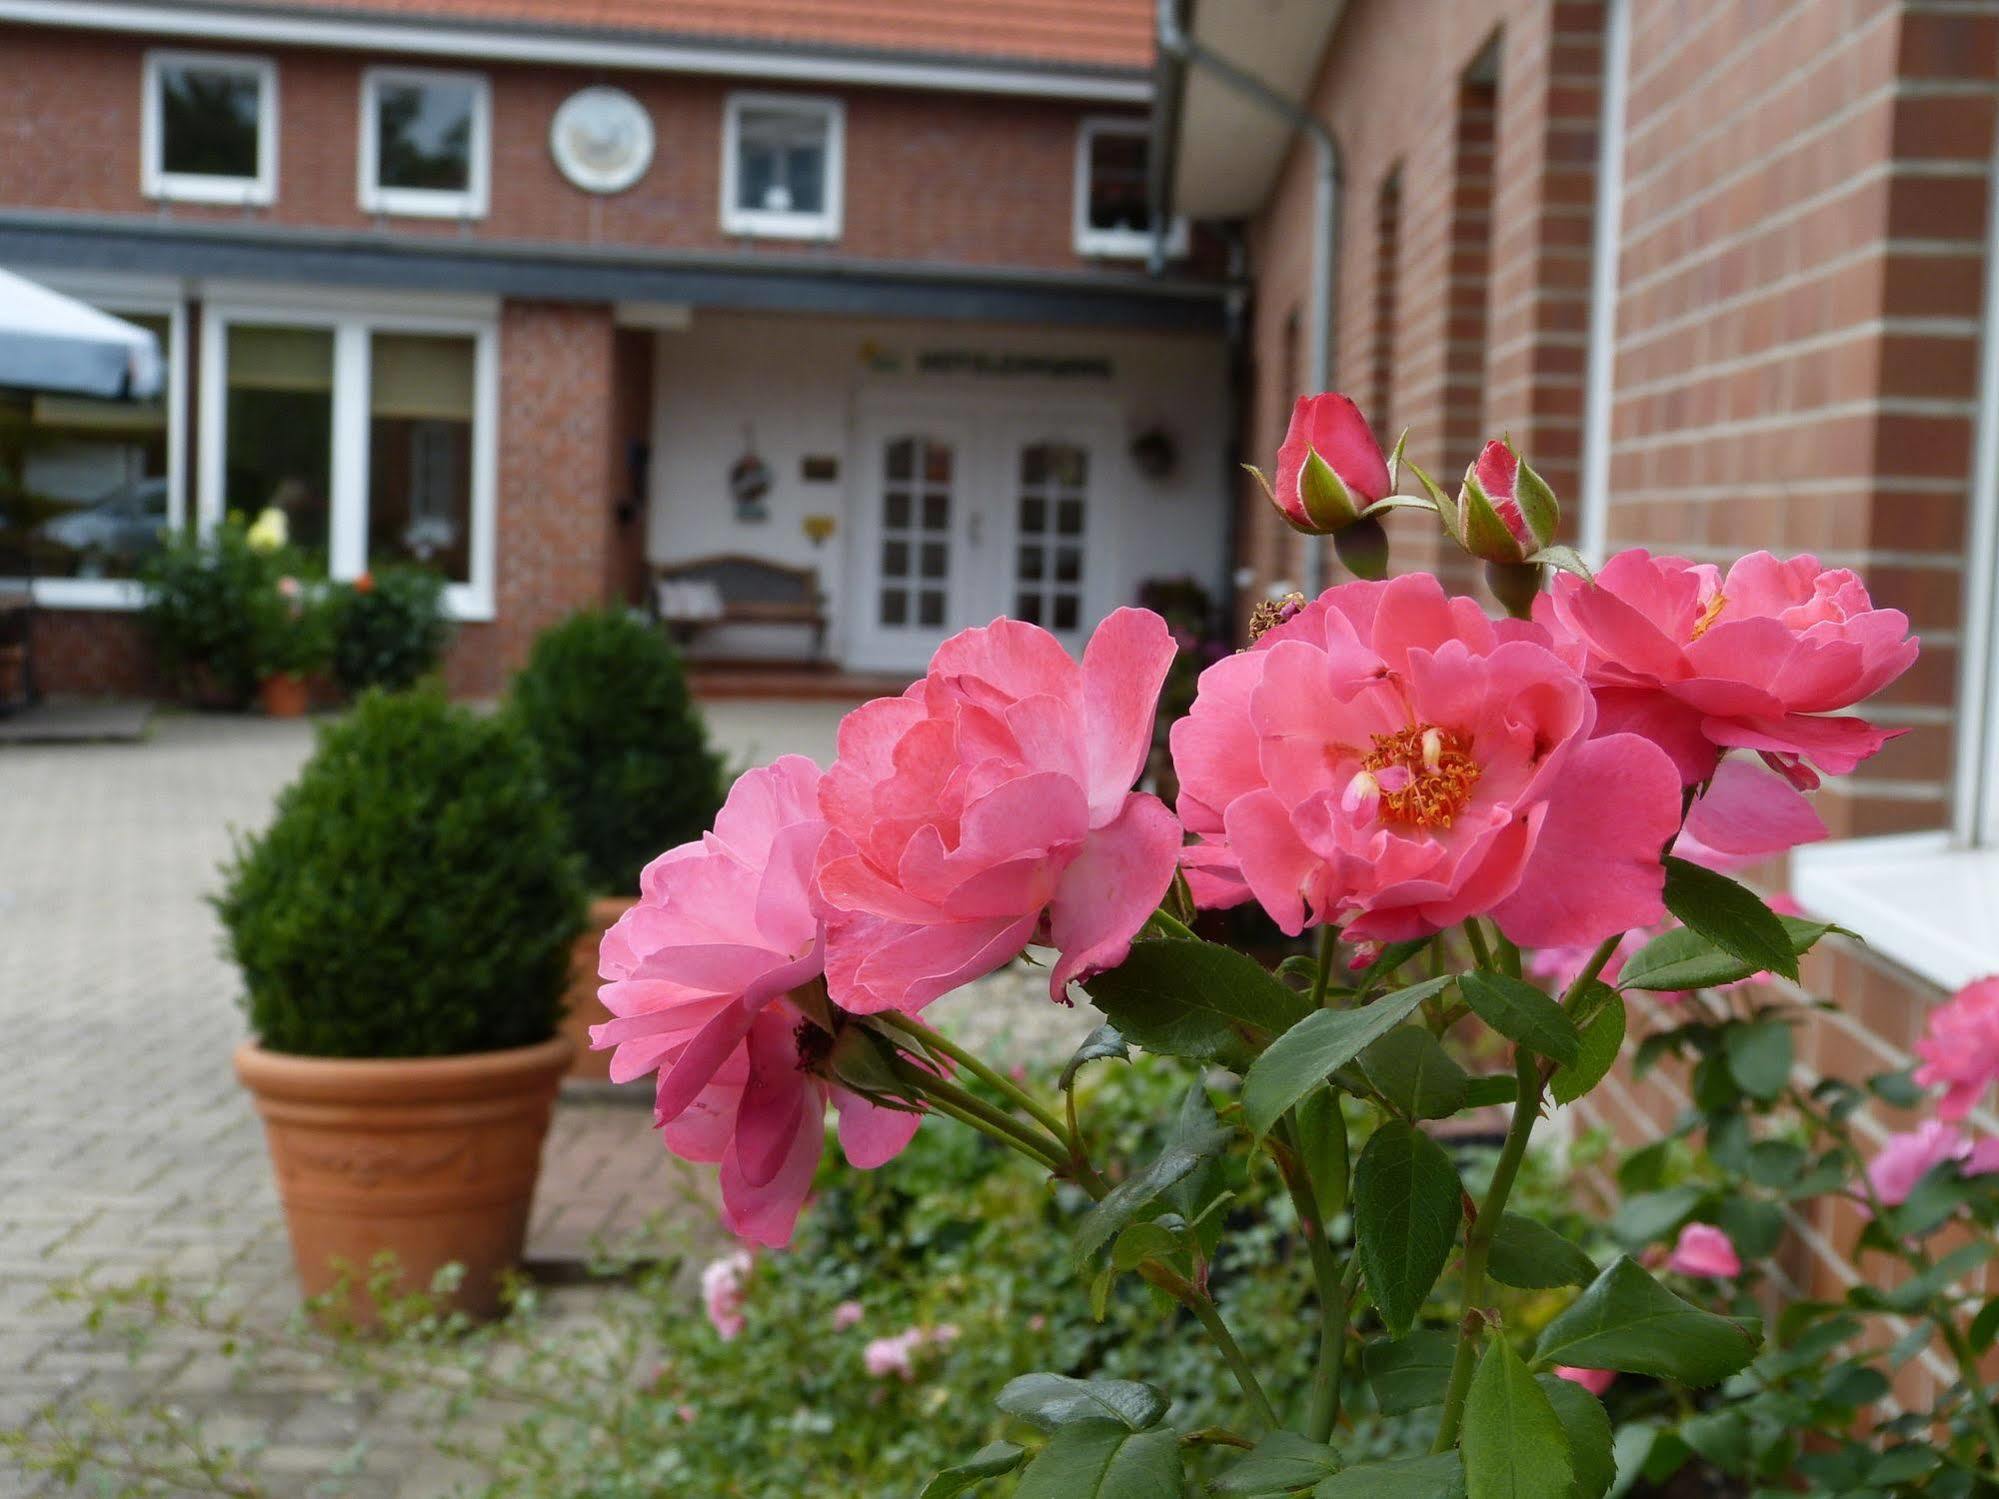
{"x": 126, "y": 1145}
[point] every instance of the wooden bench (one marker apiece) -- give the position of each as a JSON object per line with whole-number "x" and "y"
{"x": 733, "y": 589}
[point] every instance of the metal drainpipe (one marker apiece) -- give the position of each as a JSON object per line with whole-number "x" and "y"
{"x": 1175, "y": 41}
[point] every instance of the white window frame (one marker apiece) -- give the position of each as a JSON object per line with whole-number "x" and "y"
{"x": 1122, "y": 244}
{"x": 199, "y": 187}
{"x": 146, "y": 296}
{"x": 762, "y": 222}
{"x": 353, "y": 320}
{"x": 426, "y": 202}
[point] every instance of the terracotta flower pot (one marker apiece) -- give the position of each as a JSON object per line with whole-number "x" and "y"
{"x": 285, "y": 695}
{"x": 431, "y": 1158}
{"x": 583, "y": 1009}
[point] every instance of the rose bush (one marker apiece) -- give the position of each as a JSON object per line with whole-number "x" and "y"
{"x": 1423, "y": 791}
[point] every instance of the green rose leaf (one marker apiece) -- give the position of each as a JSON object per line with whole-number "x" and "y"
{"x": 1513, "y": 1443}
{"x": 1587, "y": 1426}
{"x": 1306, "y": 1054}
{"x": 1531, "y": 1256}
{"x": 1603, "y": 1038}
{"x": 991, "y": 1461}
{"x": 1409, "y": 1373}
{"x": 1438, "y": 1476}
{"x": 1731, "y": 916}
{"x": 1413, "y": 1072}
{"x": 1282, "y": 1463}
{"x": 1187, "y": 998}
{"x": 1627, "y": 1321}
{"x": 1100, "y": 1045}
{"x": 1197, "y": 1135}
{"x": 1407, "y": 1203}
{"x": 1052, "y": 1401}
{"x": 1484, "y": 1092}
{"x": 1684, "y": 959}
{"x": 1522, "y": 1013}
{"x": 1322, "y": 1136}
{"x": 1759, "y": 1057}
{"x": 1104, "y": 1460}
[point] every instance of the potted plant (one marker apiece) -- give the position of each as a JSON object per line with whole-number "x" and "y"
{"x": 293, "y": 644}
{"x": 403, "y": 929}
{"x": 203, "y": 612}
{"x": 387, "y": 629}
{"x": 605, "y": 700}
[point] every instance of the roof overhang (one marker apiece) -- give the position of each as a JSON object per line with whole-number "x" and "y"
{"x": 275, "y": 25}
{"x": 588, "y": 273}
{"x": 1226, "y": 147}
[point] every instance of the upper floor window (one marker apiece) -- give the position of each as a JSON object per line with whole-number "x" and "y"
{"x": 210, "y": 127}
{"x": 1113, "y": 198}
{"x": 424, "y": 144}
{"x": 781, "y": 166}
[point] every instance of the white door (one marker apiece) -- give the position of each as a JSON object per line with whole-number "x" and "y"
{"x": 910, "y": 566}
{"x": 957, "y": 523}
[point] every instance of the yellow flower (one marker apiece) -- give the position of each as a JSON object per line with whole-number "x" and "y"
{"x": 269, "y": 531}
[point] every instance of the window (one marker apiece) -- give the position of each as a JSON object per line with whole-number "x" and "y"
{"x": 1113, "y": 194}
{"x": 210, "y": 128}
{"x": 89, "y": 489}
{"x": 781, "y": 166}
{"x": 424, "y": 143}
{"x": 371, "y": 427}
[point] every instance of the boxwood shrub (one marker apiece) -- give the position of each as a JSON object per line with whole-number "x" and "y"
{"x": 389, "y": 629}
{"x": 415, "y": 895}
{"x": 605, "y": 700}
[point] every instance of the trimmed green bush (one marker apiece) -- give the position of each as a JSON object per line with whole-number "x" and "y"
{"x": 389, "y": 629}
{"x": 212, "y": 608}
{"x": 415, "y": 895}
{"x": 624, "y": 748}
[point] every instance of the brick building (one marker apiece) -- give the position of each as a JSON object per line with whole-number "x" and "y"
{"x": 1724, "y": 272}
{"x": 541, "y": 292}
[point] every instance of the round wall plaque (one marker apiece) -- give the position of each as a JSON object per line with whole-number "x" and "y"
{"x": 601, "y": 139}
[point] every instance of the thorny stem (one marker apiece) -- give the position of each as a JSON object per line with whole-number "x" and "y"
{"x": 943, "y": 1046}
{"x": 967, "y": 1108}
{"x": 1209, "y": 1316}
{"x": 1533, "y": 1077}
{"x": 1324, "y": 1411}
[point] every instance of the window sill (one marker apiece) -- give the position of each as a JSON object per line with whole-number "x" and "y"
{"x": 119, "y": 594}
{"x": 231, "y": 192}
{"x": 781, "y": 225}
{"x": 422, "y": 203}
{"x": 1917, "y": 898}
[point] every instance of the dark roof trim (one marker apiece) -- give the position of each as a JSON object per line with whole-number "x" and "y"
{"x": 582, "y": 273}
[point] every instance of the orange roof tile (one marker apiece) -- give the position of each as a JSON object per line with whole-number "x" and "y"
{"x": 1088, "y": 33}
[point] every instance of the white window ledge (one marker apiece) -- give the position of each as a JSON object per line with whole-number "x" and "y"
{"x": 1919, "y": 899}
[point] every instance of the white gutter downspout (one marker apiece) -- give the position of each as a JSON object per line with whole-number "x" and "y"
{"x": 1175, "y": 40}
{"x": 1973, "y": 790}
{"x": 1599, "y": 378}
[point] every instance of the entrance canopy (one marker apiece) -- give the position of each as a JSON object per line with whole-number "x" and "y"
{"x": 57, "y": 345}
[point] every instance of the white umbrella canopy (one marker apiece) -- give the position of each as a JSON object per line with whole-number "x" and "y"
{"x": 55, "y": 344}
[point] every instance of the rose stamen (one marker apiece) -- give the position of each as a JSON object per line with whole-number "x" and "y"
{"x": 1708, "y": 616}
{"x": 1425, "y": 775}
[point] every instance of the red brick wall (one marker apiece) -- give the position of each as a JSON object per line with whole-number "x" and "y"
{"x": 1490, "y": 302}
{"x": 954, "y": 178}
{"x": 557, "y": 483}
{"x": 1802, "y": 248}
{"x": 99, "y": 653}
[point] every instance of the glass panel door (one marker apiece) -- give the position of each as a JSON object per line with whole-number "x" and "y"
{"x": 918, "y": 505}
{"x": 1051, "y": 522}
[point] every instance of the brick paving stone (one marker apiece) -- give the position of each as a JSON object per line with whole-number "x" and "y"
{"x": 127, "y": 1148}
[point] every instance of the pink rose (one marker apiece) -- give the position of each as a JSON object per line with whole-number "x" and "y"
{"x": 1746, "y": 815}
{"x": 1704, "y": 1250}
{"x": 893, "y": 1356}
{"x": 1393, "y": 761}
{"x": 1905, "y": 1159}
{"x": 1329, "y": 467}
{"x": 1506, "y": 512}
{"x": 1960, "y": 1048}
{"x": 696, "y": 977}
{"x": 847, "y": 1314}
{"x": 722, "y": 1292}
{"x": 1700, "y": 663}
{"x": 1596, "y": 1381}
{"x": 990, "y": 806}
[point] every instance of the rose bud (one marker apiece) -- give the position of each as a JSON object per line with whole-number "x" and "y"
{"x": 1506, "y": 511}
{"x": 1330, "y": 468}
